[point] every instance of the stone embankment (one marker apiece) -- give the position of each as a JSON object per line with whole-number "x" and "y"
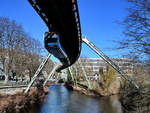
{"x": 21, "y": 102}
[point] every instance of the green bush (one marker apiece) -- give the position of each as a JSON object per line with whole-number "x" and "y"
{"x": 108, "y": 77}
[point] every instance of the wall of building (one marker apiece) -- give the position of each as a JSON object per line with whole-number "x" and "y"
{"x": 92, "y": 65}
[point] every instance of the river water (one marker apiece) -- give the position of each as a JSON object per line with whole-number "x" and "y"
{"x": 61, "y": 100}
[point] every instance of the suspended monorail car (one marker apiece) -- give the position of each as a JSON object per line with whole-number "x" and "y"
{"x": 64, "y": 35}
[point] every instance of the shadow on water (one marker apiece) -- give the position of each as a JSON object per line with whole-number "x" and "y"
{"x": 60, "y": 100}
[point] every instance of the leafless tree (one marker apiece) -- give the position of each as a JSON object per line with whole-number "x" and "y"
{"x": 18, "y": 51}
{"x": 137, "y": 37}
{"x": 49, "y": 66}
{"x": 3, "y": 24}
{"x": 137, "y": 29}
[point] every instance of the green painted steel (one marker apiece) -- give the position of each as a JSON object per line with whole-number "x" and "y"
{"x": 84, "y": 74}
{"x": 70, "y": 71}
{"x": 72, "y": 76}
{"x": 51, "y": 74}
{"x": 38, "y": 72}
{"x": 109, "y": 61}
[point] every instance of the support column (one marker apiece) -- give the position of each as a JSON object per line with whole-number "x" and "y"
{"x": 84, "y": 74}
{"x": 70, "y": 71}
{"x": 73, "y": 78}
{"x": 109, "y": 61}
{"x": 38, "y": 72}
{"x": 51, "y": 74}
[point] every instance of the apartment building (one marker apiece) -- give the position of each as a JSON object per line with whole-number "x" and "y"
{"x": 93, "y": 65}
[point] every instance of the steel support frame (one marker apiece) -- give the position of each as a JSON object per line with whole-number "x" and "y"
{"x": 109, "y": 61}
{"x": 84, "y": 74}
{"x": 72, "y": 76}
{"x": 70, "y": 71}
{"x": 51, "y": 73}
{"x": 38, "y": 72}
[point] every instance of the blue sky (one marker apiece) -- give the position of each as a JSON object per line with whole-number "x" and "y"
{"x": 98, "y": 21}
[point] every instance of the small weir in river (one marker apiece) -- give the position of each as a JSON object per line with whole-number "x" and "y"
{"x": 61, "y": 100}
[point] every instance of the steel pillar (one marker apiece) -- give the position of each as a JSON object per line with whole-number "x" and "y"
{"x": 51, "y": 74}
{"x": 73, "y": 78}
{"x": 84, "y": 74}
{"x": 109, "y": 61}
{"x": 38, "y": 72}
{"x": 70, "y": 71}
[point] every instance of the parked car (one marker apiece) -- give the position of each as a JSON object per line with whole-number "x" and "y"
{"x": 2, "y": 77}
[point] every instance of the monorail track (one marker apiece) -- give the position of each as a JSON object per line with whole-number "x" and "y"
{"x": 62, "y": 16}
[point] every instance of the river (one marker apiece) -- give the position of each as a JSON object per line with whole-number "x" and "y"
{"x": 61, "y": 100}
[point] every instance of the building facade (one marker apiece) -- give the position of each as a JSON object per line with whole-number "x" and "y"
{"x": 93, "y": 65}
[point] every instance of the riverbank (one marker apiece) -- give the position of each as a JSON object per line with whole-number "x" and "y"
{"x": 62, "y": 100}
{"x": 87, "y": 92}
{"x": 95, "y": 92}
{"x": 82, "y": 90}
{"x": 21, "y": 102}
{"x": 135, "y": 101}
{"x": 132, "y": 100}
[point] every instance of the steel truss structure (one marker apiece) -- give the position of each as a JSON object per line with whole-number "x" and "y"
{"x": 109, "y": 61}
{"x": 96, "y": 50}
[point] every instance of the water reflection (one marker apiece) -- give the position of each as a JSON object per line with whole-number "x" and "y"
{"x": 110, "y": 105}
{"x": 60, "y": 100}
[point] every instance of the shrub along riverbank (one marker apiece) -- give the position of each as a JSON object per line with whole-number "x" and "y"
{"x": 20, "y": 102}
{"x": 132, "y": 100}
{"x": 135, "y": 101}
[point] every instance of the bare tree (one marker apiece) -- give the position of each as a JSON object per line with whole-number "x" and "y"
{"x": 18, "y": 51}
{"x": 137, "y": 29}
{"x": 3, "y": 24}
